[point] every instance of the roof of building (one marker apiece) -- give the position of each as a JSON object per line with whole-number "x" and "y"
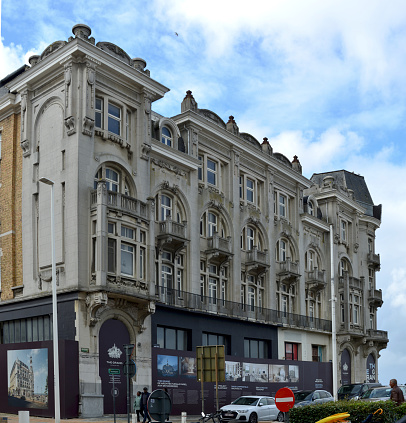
{"x": 3, "y": 83}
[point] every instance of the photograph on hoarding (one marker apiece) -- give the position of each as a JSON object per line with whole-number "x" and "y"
{"x": 255, "y": 372}
{"x": 188, "y": 367}
{"x": 28, "y": 378}
{"x": 167, "y": 366}
{"x": 233, "y": 371}
{"x": 294, "y": 374}
{"x": 278, "y": 373}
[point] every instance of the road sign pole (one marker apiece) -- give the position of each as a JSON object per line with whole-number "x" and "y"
{"x": 114, "y": 400}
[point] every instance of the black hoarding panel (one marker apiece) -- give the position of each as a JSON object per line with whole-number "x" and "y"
{"x": 27, "y": 379}
{"x": 177, "y": 371}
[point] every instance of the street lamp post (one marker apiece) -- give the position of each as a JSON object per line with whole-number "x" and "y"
{"x": 54, "y": 306}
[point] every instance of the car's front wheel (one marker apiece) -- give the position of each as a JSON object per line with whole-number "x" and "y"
{"x": 253, "y": 418}
{"x": 281, "y": 417}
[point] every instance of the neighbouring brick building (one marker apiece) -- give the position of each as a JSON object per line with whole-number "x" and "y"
{"x": 174, "y": 232}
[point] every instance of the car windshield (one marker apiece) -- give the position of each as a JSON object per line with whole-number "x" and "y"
{"x": 245, "y": 401}
{"x": 349, "y": 389}
{"x": 303, "y": 396}
{"x": 380, "y": 393}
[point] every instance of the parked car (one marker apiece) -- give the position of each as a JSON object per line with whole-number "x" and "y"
{"x": 251, "y": 409}
{"x": 317, "y": 396}
{"x": 355, "y": 390}
{"x": 381, "y": 393}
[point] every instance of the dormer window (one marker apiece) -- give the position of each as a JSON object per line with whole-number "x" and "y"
{"x": 166, "y": 136}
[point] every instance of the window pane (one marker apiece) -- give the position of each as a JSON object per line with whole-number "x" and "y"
{"x": 23, "y": 331}
{"x": 114, "y": 110}
{"x": 111, "y": 265}
{"x": 35, "y": 329}
{"x": 127, "y": 259}
{"x": 29, "y": 330}
{"x": 246, "y": 348}
{"x": 170, "y": 338}
{"x": 17, "y": 326}
{"x": 47, "y": 329}
{"x": 114, "y": 126}
{"x": 181, "y": 334}
{"x": 254, "y": 349}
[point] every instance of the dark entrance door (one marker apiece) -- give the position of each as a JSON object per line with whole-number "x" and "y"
{"x": 113, "y": 335}
{"x": 345, "y": 367}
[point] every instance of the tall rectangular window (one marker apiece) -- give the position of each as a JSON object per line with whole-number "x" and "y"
{"x": 282, "y": 205}
{"x": 250, "y": 190}
{"x": 111, "y": 252}
{"x": 127, "y": 259}
{"x": 291, "y": 351}
{"x": 142, "y": 263}
{"x": 211, "y": 172}
{"x": 343, "y": 230}
{"x": 166, "y": 207}
{"x": 114, "y": 119}
{"x": 200, "y": 168}
{"x": 212, "y": 223}
{"x": 99, "y": 113}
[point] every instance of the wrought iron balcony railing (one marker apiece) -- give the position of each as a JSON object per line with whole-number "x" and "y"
{"x": 219, "y": 306}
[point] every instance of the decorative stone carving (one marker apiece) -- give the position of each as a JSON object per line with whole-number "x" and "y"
{"x": 25, "y": 145}
{"x": 70, "y": 125}
{"x": 169, "y": 167}
{"x": 87, "y": 126}
{"x": 145, "y": 150}
{"x": 52, "y": 48}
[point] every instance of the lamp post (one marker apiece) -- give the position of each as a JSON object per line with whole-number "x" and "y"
{"x": 54, "y": 306}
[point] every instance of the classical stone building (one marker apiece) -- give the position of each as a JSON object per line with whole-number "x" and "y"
{"x": 175, "y": 232}
{"x": 21, "y": 383}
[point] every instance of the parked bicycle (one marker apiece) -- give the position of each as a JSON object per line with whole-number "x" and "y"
{"x": 211, "y": 417}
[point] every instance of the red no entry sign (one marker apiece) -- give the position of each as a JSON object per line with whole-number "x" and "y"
{"x": 284, "y": 399}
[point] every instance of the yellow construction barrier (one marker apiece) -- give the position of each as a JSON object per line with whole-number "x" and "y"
{"x": 334, "y": 418}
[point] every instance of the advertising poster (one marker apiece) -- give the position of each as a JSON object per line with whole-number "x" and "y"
{"x": 176, "y": 371}
{"x": 27, "y": 378}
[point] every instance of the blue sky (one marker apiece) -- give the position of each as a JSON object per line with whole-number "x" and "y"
{"x": 324, "y": 80}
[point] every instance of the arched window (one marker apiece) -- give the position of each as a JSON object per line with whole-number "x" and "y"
{"x": 116, "y": 180}
{"x": 251, "y": 237}
{"x": 166, "y": 136}
{"x": 169, "y": 208}
{"x": 210, "y": 223}
{"x": 283, "y": 250}
{"x": 312, "y": 260}
{"x": 343, "y": 267}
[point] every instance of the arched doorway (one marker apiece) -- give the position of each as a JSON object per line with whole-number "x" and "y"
{"x": 345, "y": 367}
{"x": 112, "y": 336}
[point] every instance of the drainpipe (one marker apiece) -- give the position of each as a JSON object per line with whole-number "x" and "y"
{"x": 333, "y": 315}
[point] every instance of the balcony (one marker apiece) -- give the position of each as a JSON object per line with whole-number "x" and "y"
{"x": 121, "y": 203}
{"x": 220, "y": 307}
{"x": 374, "y": 260}
{"x": 288, "y": 271}
{"x": 377, "y": 335}
{"x": 352, "y": 282}
{"x": 375, "y": 297}
{"x": 218, "y": 249}
{"x": 171, "y": 235}
{"x": 256, "y": 261}
{"x": 316, "y": 280}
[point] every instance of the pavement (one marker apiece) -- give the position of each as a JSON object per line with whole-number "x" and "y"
{"x": 121, "y": 418}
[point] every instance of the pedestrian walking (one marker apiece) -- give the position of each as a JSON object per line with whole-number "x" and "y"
{"x": 137, "y": 407}
{"x": 144, "y": 405}
{"x": 396, "y": 394}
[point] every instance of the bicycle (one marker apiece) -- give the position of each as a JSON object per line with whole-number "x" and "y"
{"x": 210, "y": 417}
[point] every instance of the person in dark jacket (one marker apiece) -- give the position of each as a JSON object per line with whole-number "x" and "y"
{"x": 144, "y": 407}
{"x": 396, "y": 394}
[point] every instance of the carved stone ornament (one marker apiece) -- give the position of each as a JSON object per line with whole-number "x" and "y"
{"x": 213, "y": 204}
{"x": 336, "y": 238}
{"x": 25, "y": 145}
{"x": 70, "y": 125}
{"x": 169, "y": 167}
{"x": 356, "y": 246}
{"x": 145, "y": 150}
{"x": 87, "y": 127}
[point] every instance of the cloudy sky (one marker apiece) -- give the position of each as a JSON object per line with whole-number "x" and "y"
{"x": 324, "y": 80}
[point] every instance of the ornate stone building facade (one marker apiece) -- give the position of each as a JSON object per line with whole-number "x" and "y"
{"x": 184, "y": 229}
